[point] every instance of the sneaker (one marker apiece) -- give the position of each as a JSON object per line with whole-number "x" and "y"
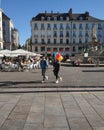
{"x": 60, "y": 78}
{"x": 57, "y": 81}
{"x": 46, "y": 77}
{"x": 43, "y": 81}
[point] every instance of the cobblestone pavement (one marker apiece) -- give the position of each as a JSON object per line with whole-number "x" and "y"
{"x": 76, "y": 103}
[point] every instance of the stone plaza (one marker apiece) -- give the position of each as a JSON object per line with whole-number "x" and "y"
{"x": 76, "y": 103}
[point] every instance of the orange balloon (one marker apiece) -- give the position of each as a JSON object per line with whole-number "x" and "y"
{"x": 60, "y": 58}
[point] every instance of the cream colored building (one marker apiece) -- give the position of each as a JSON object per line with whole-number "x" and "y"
{"x": 9, "y": 36}
{"x": 66, "y": 33}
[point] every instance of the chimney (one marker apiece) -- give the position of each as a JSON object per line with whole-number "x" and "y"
{"x": 70, "y": 13}
{"x": 86, "y": 15}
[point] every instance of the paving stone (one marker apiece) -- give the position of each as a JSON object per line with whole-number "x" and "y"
{"x": 33, "y": 127}
{"x": 55, "y": 121}
{"x": 79, "y": 123}
{"x": 35, "y": 117}
{"x": 13, "y": 125}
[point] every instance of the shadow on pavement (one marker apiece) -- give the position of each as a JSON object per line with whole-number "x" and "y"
{"x": 93, "y": 70}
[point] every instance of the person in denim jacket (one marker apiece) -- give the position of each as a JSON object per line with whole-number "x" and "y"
{"x": 44, "y": 66}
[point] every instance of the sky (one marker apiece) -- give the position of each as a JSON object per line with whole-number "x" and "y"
{"x": 22, "y": 11}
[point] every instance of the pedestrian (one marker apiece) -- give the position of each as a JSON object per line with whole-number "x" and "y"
{"x": 44, "y": 66}
{"x": 56, "y": 70}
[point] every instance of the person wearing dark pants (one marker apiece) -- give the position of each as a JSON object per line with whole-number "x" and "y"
{"x": 44, "y": 66}
{"x": 56, "y": 69}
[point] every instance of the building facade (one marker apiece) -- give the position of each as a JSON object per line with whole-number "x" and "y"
{"x": 66, "y": 33}
{"x": 9, "y": 36}
{"x": 28, "y": 44}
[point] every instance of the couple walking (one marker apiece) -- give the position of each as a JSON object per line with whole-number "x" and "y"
{"x": 56, "y": 69}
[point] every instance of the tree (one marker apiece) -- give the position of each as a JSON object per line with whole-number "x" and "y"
{"x": 19, "y": 46}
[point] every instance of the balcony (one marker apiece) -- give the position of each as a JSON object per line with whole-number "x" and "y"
{"x": 55, "y": 28}
{"x": 35, "y": 28}
{"x": 55, "y": 35}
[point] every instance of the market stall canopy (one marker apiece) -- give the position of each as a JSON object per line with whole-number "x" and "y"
{"x": 5, "y": 53}
{"x": 32, "y": 53}
{"x": 20, "y": 52}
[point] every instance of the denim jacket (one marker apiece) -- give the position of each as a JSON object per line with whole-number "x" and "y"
{"x": 43, "y": 64}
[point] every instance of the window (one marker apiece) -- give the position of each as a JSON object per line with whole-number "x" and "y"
{"x": 67, "y": 41}
{"x": 61, "y": 41}
{"x": 80, "y": 41}
{"x": 86, "y": 40}
{"x": 42, "y": 26}
{"x": 42, "y": 34}
{"x": 99, "y": 34}
{"x": 74, "y": 26}
{"x": 67, "y": 33}
{"x": 61, "y": 18}
{"x": 67, "y": 18}
{"x": 42, "y": 48}
{"x": 49, "y": 34}
{"x": 61, "y": 49}
{"x": 48, "y": 41}
{"x": 61, "y": 33}
{"x": 48, "y": 26}
{"x": 42, "y": 18}
{"x": 80, "y": 18}
{"x": 74, "y": 34}
{"x": 67, "y": 26}
{"x": 67, "y": 49}
{"x": 61, "y": 26}
{"x": 93, "y": 25}
{"x": 36, "y": 34}
{"x": 99, "y": 26}
{"x": 55, "y": 26}
{"x": 74, "y": 41}
{"x": 55, "y": 18}
{"x": 35, "y": 26}
{"x": 36, "y": 49}
{"x": 42, "y": 41}
{"x": 74, "y": 48}
{"x": 49, "y": 49}
{"x": 3, "y": 23}
{"x": 55, "y": 34}
{"x": 86, "y": 34}
{"x": 86, "y": 26}
{"x": 54, "y": 49}
{"x": 80, "y": 34}
{"x": 80, "y": 26}
{"x": 48, "y": 18}
{"x": 55, "y": 41}
{"x": 36, "y": 41}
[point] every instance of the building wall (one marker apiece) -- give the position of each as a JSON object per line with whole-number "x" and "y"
{"x": 1, "y": 30}
{"x": 9, "y": 33}
{"x": 80, "y": 32}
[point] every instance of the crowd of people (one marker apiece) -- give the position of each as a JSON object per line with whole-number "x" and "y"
{"x": 18, "y": 63}
{"x": 42, "y": 63}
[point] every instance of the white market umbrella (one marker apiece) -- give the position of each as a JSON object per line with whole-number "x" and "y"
{"x": 32, "y": 53}
{"x": 5, "y": 52}
{"x": 20, "y": 52}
